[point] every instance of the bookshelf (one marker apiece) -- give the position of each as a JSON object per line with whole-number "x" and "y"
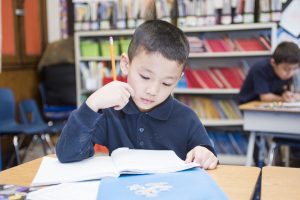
{"x": 225, "y": 59}
{"x": 82, "y": 91}
{"x": 197, "y": 60}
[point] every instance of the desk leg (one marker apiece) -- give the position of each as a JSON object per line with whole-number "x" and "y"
{"x": 250, "y": 148}
{"x": 262, "y": 151}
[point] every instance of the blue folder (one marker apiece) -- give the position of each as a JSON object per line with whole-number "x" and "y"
{"x": 193, "y": 184}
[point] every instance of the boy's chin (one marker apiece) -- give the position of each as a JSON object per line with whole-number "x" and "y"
{"x": 145, "y": 108}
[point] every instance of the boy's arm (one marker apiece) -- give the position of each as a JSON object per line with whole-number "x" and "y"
{"x": 202, "y": 150}
{"x": 297, "y": 96}
{"x": 270, "y": 97}
{"x": 75, "y": 142}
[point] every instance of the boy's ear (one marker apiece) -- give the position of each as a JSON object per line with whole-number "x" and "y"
{"x": 273, "y": 63}
{"x": 124, "y": 64}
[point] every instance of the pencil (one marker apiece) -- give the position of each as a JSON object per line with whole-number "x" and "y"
{"x": 112, "y": 54}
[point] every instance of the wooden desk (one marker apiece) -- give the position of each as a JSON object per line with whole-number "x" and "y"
{"x": 238, "y": 182}
{"x": 280, "y": 183}
{"x": 280, "y": 121}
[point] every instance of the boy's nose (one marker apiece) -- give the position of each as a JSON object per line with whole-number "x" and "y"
{"x": 152, "y": 89}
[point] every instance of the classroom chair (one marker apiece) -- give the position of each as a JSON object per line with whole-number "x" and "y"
{"x": 30, "y": 115}
{"x": 9, "y": 125}
{"x": 55, "y": 115}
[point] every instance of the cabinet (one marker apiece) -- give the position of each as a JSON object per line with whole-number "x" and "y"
{"x": 93, "y": 69}
{"x": 23, "y": 38}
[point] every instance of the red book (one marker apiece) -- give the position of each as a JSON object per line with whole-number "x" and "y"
{"x": 190, "y": 79}
{"x": 230, "y": 77}
{"x": 215, "y": 79}
{"x": 251, "y": 44}
{"x": 199, "y": 78}
{"x": 266, "y": 44}
{"x": 236, "y": 74}
{"x": 221, "y": 77}
{"x": 206, "y": 78}
{"x": 217, "y": 45}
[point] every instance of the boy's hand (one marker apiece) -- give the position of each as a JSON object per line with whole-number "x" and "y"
{"x": 114, "y": 94}
{"x": 288, "y": 96}
{"x": 202, "y": 156}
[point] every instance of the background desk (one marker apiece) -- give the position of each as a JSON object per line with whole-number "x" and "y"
{"x": 282, "y": 122}
{"x": 238, "y": 182}
{"x": 280, "y": 183}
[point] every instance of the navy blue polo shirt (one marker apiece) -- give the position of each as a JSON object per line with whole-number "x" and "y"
{"x": 261, "y": 79}
{"x": 170, "y": 126}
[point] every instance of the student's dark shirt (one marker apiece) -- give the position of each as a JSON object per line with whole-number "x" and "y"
{"x": 261, "y": 79}
{"x": 170, "y": 126}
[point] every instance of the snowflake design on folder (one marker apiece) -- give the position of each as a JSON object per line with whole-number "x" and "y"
{"x": 149, "y": 190}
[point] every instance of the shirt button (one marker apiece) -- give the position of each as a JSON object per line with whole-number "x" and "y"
{"x": 141, "y": 130}
{"x": 141, "y": 143}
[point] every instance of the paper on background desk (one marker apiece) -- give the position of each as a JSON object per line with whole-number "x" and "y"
{"x": 281, "y": 105}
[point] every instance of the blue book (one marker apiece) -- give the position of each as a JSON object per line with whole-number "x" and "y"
{"x": 189, "y": 184}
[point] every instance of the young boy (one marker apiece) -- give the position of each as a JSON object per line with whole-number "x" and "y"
{"x": 270, "y": 79}
{"x": 141, "y": 113}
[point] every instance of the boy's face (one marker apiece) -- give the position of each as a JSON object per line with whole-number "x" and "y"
{"x": 285, "y": 71}
{"x": 152, "y": 76}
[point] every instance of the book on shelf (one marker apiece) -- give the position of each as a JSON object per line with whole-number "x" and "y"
{"x": 242, "y": 141}
{"x": 264, "y": 11}
{"x": 121, "y": 161}
{"x": 276, "y": 7}
{"x": 216, "y": 45}
{"x": 221, "y": 77}
{"x": 249, "y": 44}
{"x": 235, "y": 144}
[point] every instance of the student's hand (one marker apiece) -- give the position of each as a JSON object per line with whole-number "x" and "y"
{"x": 288, "y": 96}
{"x": 114, "y": 94}
{"x": 202, "y": 156}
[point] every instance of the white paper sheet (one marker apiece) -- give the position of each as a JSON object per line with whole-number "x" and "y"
{"x": 74, "y": 191}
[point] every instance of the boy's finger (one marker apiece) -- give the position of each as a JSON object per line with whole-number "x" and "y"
{"x": 129, "y": 89}
{"x": 213, "y": 165}
{"x": 189, "y": 157}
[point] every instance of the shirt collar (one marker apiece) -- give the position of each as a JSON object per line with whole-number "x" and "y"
{"x": 161, "y": 112}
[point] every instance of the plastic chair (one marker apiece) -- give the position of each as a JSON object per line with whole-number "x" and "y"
{"x": 54, "y": 112}
{"x": 55, "y": 115}
{"x": 30, "y": 115}
{"x": 9, "y": 125}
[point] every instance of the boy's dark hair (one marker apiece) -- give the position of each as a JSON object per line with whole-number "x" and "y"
{"x": 286, "y": 52}
{"x": 160, "y": 36}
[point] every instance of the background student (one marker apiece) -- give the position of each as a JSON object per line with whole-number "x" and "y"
{"x": 271, "y": 79}
{"x": 141, "y": 113}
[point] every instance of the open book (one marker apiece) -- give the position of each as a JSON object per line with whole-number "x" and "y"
{"x": 121, "y": 161}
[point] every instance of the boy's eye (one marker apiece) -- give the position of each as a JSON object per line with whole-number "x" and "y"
{"x": 167, "y": 84}
{"x": 144, "y": 77}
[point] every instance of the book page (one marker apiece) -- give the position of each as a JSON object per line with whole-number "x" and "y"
{"x": 148, "y": 161}
{"x": 74, "y": 191}
{"x": 51, "y": 171}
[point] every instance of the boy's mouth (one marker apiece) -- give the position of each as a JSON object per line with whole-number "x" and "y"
{"x": 146, "y": 101}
